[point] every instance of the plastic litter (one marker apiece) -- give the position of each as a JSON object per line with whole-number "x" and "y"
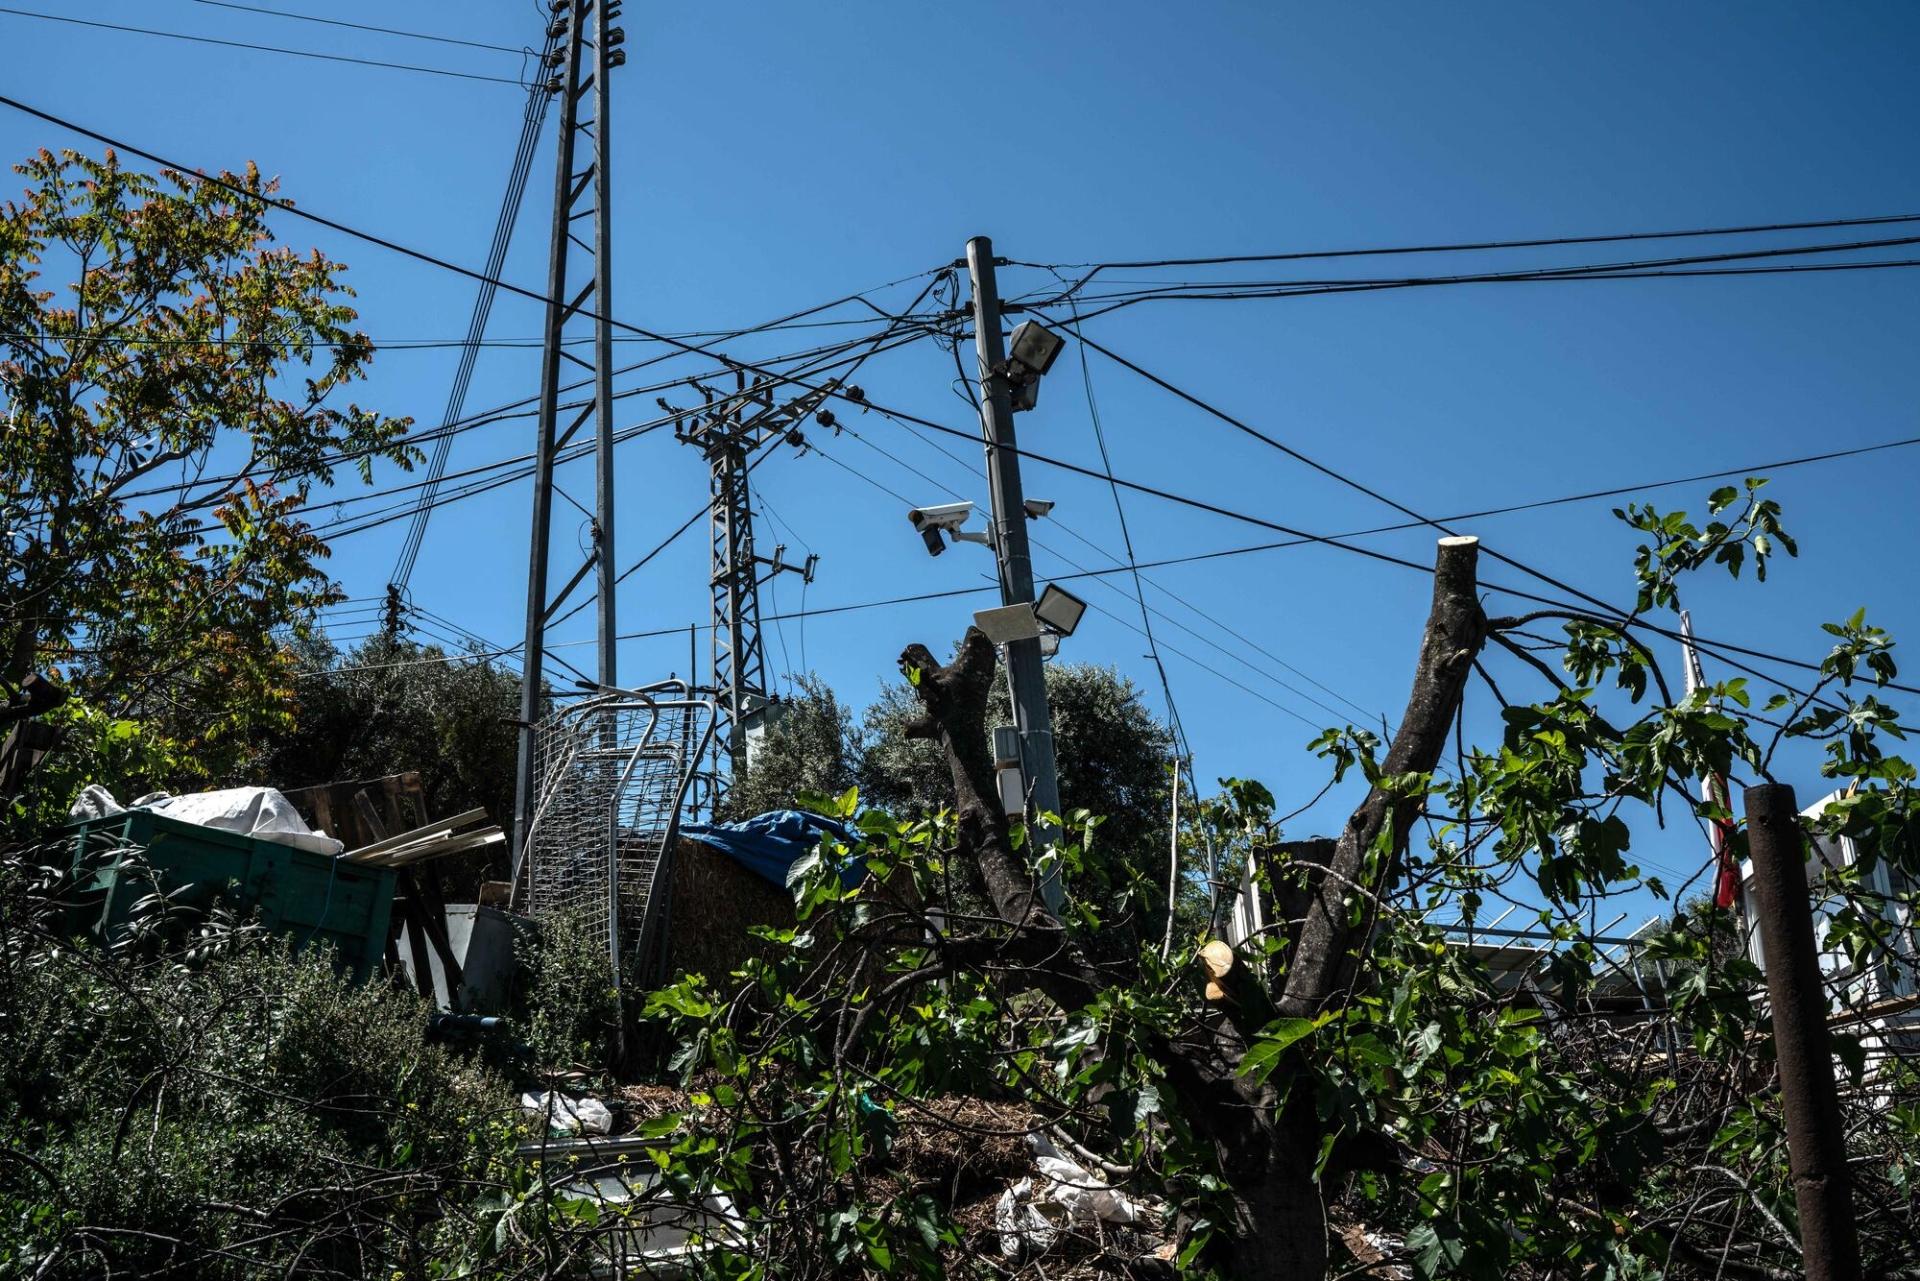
{"x": 567, "y": 1115}
{"x": 1030, "y": 1213}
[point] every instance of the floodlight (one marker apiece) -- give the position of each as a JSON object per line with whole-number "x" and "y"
{"x": 1007, "y": 624}
{"x": 1036, "y": 347}
{"x": 1059, "y": 609}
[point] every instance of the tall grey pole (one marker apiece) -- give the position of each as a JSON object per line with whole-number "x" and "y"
{"x": 603, "y": 344}
{"x": 1026, "y": 675}
{"x": 534, "y": 651}
{"x": 1816, "y": 1144}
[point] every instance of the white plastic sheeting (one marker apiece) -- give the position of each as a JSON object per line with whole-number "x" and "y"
{"x": 259, "y": 812}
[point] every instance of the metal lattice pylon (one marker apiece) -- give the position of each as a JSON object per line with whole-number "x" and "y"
{"x": 729, "y": 430}
{"x": 612, "y": 775}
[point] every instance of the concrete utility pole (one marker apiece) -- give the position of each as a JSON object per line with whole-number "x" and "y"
{"x": 585, "y": 61}
{"x": 1026, "y": 676}
{"x": 1816, "y": 1144}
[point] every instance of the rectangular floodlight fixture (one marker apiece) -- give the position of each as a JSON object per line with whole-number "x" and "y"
{"x": 1035, "y": 346}
{"x": 1007, "y": 624}
{"x": 1059, "y": 609}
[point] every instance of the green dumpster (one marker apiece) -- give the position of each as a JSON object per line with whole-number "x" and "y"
{"x": 123, "y": 858}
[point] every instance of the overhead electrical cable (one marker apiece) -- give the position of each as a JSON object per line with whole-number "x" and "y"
{"x": 1542, "y": 242}
{"x": 501, "y": 413}
{"x": 1342, "y": 542}
{"x": 510, "y": 203}
{"x": 1098, "y": 576}
{"x": 1649, "y": 269}
{"x": 1558, "y": 584}
{"x": 361, "y": 26}
{"x": 408, "y": 251}
{"x": 264, "y": 48}
{"x": 1126, "y": 538}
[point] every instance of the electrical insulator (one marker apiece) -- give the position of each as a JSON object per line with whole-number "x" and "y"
{"x": 558, "y": 29}
{"x": 617, "y": 58}
{"x": 616, "y": 36}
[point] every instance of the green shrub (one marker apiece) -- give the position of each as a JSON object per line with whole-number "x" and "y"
{"x": 229, "y": 1109}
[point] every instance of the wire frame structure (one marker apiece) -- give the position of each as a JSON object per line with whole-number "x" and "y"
{"x": 611, "y": 776}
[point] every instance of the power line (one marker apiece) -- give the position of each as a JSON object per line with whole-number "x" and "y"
{"x": 361, "y": 26}
{"x": 1339, "y": 541}
{"x": 263, "y": 48}
{"x": 1631, "y": 619}
{"x": 1475, "y": 246}
{"x": 1098, "y": 575}
{"x": 1126, "y": 538}
{"x": 510, "y": 204}
{"x": 407, "y": 251}
{"x": 1648, "y": 269}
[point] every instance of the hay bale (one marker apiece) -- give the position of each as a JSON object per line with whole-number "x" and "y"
{"x": 715, "y": 901}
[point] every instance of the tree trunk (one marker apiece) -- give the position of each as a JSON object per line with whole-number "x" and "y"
{"x": 1266, "y": 1151}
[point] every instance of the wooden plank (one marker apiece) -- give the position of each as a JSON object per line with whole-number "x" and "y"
{"x": 363, "y": 806}
{"x": 441, "y": 843}
{"x": 440, "y": 849}
{"x": 423, "y": 885}
{"x": 436, "y": 828}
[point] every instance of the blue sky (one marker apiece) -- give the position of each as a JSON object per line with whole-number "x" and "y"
{"x": 770, "y": 157}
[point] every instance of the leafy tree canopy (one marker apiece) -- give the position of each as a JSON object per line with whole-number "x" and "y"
{"x": 174, "y": 384}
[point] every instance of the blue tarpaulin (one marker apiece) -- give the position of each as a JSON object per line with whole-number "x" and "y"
{"x": 769, "y": 844}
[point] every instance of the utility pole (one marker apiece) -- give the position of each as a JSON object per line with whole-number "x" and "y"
{"x": 582, "y": 66}
{"x": 1026, "y": 675}
{"x": 1816, "y": 1144}
{"x": 729, "y": 430}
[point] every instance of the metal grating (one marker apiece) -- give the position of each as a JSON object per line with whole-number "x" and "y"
{"x": 611, "y": 776}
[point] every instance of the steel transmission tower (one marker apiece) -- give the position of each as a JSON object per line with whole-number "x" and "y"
{"x": 578, "y": 274}
{"x": 729, "y": 430}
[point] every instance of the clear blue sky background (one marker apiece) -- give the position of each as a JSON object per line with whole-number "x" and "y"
{"x": 772, "y": 156}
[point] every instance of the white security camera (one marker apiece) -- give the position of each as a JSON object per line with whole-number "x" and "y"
{"x": 931, "y": 520}
{"x": 1037, "y": 507}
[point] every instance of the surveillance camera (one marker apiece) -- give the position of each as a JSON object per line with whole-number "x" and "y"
{"x": 1037, "y": 507}
{"x": 941, "y": 516}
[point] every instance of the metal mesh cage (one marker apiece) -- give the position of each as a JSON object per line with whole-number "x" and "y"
{"x": 611, "y": 776}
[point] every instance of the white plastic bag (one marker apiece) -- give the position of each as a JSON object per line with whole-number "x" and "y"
{"x": 1029, "y": 1215}
{"x": 1086, "y": 1195}
{"x": 1021, "y": 1223}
